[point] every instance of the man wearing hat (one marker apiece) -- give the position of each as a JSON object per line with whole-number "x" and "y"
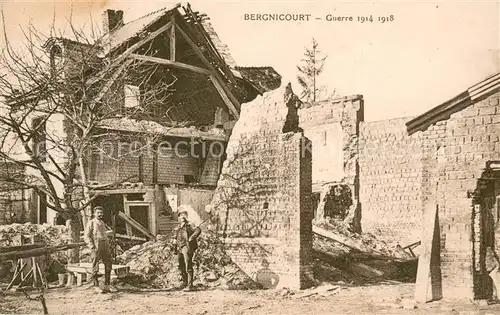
{"x": 186, "y": 244}
{"x": 97, "y": 240}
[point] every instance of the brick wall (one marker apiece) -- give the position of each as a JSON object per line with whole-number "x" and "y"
{"x": 212, "y": 165}
{"x": 264, "y": 193}
{"x": 172, "y": 167}
{"x": 333, "y": 128}
{"x": 441, "y": 165}
{"x": 460, "y": 148}
{"x": 390, "y": 181}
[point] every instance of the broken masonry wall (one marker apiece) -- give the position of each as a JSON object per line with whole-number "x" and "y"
{"x": 176, "y": 165}
{"x": 263, "y": 197}
{"x": 334, "y": 128}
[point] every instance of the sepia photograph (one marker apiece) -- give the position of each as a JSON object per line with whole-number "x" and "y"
{"x": 249, "y": 157}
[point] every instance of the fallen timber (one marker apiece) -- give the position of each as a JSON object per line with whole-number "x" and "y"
{"x": 363, "y": 261}
{"x": 356, "y": 251}
{"x": 33, "y": 250}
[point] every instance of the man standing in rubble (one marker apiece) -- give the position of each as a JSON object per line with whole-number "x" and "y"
{"x": 186, "y": 243}
{"x": 97, "y": 240}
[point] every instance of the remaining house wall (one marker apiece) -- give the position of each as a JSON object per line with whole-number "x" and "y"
{"x": 333, "y": 128}
{"x": 456, "y": 152}
{"x": 173, "y": 165}
{"x": 401, "y": 176}
{"x": 390, "y": 164}
{"x": 196, "y": 198}
{"x": 263, "y": 197}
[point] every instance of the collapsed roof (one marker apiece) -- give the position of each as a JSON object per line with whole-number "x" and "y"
{"x": 185, "y": 45}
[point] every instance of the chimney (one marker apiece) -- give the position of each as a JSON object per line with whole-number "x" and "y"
{"x": 112, "y": 20}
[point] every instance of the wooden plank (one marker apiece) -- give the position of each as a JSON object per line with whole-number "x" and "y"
{"x": 194, "y": 16}
{"x": 8, "y": 249}
{"x": 364, "y": 270}
{"x": 172, "y": 38}
{"x": 17, "y": 274}
{"x": 133, "y": 238}
{"x": 207, "y": 63}
{"x": 35, "y": 252}
{"x": 130, "y": 50}
{"x": 30, "y": 273}
{"x": 127, "y": 212}
{"x": 118, "y": 270}
{"x": 135, "y": 224}
{"x": 224, "y": 96}
{"x": 173, "y": 64}
{"x": 351, "y": 244}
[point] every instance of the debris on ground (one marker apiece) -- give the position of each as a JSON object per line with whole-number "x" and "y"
{"x": 324, "y": 290}
{"x": 155, "y": 265}
{"x": 363, "y": 245}
{"x": 357, "y": 258}
{"x": 48, "y": 234}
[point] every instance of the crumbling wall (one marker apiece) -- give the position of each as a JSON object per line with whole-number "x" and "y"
{"x": 391, "y": 179}
{"x": 333, "y": 128}
{"x": 263, "y": 197}
{"x": 119, "y": 160}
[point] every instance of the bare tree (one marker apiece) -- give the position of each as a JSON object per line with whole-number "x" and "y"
{"x": 309, "y": 70}
{"x": 58, "y": 93}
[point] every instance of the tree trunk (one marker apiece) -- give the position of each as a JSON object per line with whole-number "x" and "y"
{"x": 73, "y": 225}
{"x": 86, "y": 212}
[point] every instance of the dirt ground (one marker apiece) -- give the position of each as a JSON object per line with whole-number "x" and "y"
{"x": 377, "y": 299}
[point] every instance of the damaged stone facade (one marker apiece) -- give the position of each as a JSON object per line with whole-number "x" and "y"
{"x": 263, "y": 198}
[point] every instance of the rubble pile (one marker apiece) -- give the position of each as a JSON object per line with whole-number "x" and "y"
{"x": 362, "y": 245}
{"x": 154, "y": 264}
{"x": 343, "y": 255}
{"x": 10, "y": 235}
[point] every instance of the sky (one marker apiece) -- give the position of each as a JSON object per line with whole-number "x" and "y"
{"x": 430, "y": 52}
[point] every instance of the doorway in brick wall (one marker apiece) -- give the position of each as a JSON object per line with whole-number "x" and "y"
{"x": 486, "y": 228}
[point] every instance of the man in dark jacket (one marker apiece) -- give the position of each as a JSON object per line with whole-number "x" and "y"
{"x": 186, "y": 244}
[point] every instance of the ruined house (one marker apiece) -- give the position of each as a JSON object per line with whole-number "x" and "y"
{"x": 444, "y": 159}
{"x": 195, "y": 121}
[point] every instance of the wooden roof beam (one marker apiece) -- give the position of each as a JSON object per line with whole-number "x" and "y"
{"x": 172, "y": 38}
{"x": 219, "y": 83}
{"x": 130, "y": 50}
{"x": 224, "y": 96}
{"x": 173, "y": 64}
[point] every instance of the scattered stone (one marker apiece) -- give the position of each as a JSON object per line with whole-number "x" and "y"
{"x": 285, "y": 292}
{"x": 154, "y": 264}
{"x": 409, "y": 304}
